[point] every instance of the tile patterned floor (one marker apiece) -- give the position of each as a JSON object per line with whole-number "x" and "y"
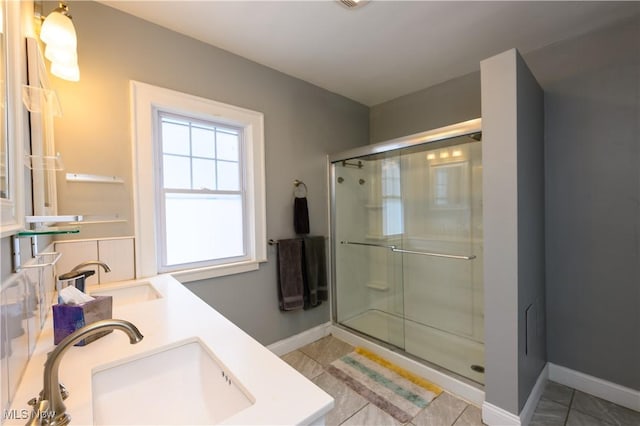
{"x": 563, "y": 406}
{"x": 559, "y": 405}
{"x": 351, "y": 409}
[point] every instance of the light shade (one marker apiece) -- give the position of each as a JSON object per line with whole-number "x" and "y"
{"x": 58, "y": 30}
{"x": 64, "y": 55}
{"x": 67, "y": 72}
{"x": 59, "y": 34}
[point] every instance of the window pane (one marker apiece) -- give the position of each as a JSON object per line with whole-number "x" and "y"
{"x": 203, "y": 227}
{"x": 204, "y": 174}
{"x": 176, "y": 172}
{"x": 392, "y": 216}
{"x": 391, "y": 177}
{"x": 228, "y": 176}
{"x": 175, "y": 138}
{"x": 203, "y": 142}
{"x": 228, "y": 146}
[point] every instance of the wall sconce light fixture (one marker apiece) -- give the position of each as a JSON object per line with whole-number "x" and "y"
{"x": 59, "y": 35}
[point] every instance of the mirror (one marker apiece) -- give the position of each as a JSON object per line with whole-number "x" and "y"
{"x": 11, "y": 119}
{"x": 4, "y": 160}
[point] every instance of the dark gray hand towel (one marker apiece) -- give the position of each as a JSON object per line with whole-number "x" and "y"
{"x": 290, "y": 279}
{"x": 300, "y": 215}
{"x": 315, "y": 271}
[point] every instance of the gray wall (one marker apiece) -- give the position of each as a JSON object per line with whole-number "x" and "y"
{"x": 303, "y": 123}
{"x": 447, "y": 103}
{"x": 592, "y": 103}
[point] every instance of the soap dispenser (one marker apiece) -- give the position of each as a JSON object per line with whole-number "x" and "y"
{"x": 74, "y": 278}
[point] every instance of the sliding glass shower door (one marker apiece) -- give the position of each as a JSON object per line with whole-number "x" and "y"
{"x": 408, "y": 251}
{"x": 368, "y": 221}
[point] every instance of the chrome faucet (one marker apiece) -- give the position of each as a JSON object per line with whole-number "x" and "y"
{"x": 91, "y": 262}
{"x": 48, "y": 408}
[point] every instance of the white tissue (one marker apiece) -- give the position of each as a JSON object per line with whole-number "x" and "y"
{"x": 71, "y": 295}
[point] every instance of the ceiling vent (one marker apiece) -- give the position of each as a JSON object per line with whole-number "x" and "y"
{"x": 352, "y": 4}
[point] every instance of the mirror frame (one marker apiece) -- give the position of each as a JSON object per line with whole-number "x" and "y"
{"x": 12, "y": 208}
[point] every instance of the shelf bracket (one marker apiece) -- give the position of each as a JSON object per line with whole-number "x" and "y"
{"x": 15, "y": 248}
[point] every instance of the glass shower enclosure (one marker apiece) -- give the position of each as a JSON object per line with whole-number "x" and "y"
{"x": 407, "y": 245}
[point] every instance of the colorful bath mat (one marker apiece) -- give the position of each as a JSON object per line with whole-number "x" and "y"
{"x": 393, "y": 389}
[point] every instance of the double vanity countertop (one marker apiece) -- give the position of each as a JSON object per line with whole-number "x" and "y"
{"x": 278, "y": 394}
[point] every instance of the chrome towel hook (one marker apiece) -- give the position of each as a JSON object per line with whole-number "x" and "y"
{"x": 300, "y": 192}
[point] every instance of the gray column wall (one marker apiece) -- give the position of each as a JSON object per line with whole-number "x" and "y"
{"x": 513, "y": 213}
{"x": 532, "y": 351}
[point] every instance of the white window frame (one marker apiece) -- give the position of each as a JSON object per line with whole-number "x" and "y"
{"x": 146, "y": 101}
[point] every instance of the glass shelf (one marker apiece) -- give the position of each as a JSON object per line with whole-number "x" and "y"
{"x": 44, "y": 162}
{"x": 40, "y": 100}
{"x": 49, "y": 230}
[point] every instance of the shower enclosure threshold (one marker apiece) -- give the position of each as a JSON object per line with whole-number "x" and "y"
{"x": 448, "y": 380}
{"x": 370, "y": 329}
{"x": 454, "y": 353}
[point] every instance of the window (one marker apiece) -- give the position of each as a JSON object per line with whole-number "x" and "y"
{"x": 199, "y": 193}
{"x": 205, "y": 162}
{"x": 450, "y": 185}
{"x": 392, "y": 216}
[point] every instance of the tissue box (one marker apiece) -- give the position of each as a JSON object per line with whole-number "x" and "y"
{"x": 69, "y": 318}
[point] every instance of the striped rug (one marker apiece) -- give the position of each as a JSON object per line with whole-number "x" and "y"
{"x": 393, "y": 389}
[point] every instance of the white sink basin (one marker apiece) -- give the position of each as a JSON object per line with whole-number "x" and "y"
{"x": 136, "y": 293}
{"x": 179, "y": 385}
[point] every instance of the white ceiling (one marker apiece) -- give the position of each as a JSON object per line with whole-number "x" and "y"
{"x": 384, "y": 49}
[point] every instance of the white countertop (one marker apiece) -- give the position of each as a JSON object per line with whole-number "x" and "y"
{"x": 282, "y": 395}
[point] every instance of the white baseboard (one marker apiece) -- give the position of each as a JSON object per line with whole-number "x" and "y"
{"x": 496, "y": 416}
{"x": 493, "y": 415}
{"x": 604, "y": 389}
{"x": 450, "y": 384}
{"x": 534, "y": 397}
{"x": 299, "y": 340}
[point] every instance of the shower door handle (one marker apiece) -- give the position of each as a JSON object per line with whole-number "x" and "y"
{"x": 425, "y": 253}
{"x": 421, "y": 253}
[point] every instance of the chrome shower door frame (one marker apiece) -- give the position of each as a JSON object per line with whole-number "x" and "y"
{"x": 469, "y": 127}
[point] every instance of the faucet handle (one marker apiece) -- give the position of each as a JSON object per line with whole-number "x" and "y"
{"x": 63, "y": 392}
{"x": 40, "y": 413}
